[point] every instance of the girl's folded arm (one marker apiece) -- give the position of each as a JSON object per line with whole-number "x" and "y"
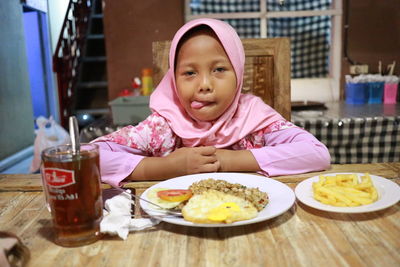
{"x": 117, "y": 162}
{"x": 123, "y": 152}
{"x": 291, "y": 151}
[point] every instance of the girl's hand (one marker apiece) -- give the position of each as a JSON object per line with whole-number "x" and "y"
{"x": 236, "y": 161}
{"x": 224, "y": 157}
{"x": 190, "y": 160}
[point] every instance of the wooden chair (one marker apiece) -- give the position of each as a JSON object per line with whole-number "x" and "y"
{"x": 267, "y": 70}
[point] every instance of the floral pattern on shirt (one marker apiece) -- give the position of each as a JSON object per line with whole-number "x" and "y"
{"x": 256, "y": 139}
{"x": 154, "y": 136}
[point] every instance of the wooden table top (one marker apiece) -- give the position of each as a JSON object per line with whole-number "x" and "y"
{"x": 302, "y": 236}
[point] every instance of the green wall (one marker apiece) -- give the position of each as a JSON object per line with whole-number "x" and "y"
{"x": 16, "y": 117}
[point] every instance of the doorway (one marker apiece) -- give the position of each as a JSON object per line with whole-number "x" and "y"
{"x": 39, "y": 63}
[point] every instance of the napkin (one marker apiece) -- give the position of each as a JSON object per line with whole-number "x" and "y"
{"x": 117, "y": 217}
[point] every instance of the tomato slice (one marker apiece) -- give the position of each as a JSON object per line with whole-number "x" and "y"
{"x": 175, "y": 195}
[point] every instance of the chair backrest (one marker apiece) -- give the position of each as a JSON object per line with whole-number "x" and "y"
{"x": 267, "y": 70}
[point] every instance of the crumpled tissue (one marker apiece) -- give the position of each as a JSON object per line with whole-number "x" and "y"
{"x": 117, "y": 217}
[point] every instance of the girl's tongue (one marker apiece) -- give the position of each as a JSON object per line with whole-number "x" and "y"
{"x": 198, "y": 104}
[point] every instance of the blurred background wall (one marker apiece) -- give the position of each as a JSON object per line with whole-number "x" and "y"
{"x": 130, "y": 27}
{"x": 16, "y": 113}
{"x": 373, "y": 34}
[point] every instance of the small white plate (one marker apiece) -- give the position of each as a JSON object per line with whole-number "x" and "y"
{"x": 388, "y": 195}
{"x": 281, "y": 197}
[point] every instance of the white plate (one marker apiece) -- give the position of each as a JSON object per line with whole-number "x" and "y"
{"x": 281, "y": 197}
{"x": 388, "y": 195}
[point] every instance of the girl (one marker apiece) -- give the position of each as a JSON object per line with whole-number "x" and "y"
{"x": 202, "y": 123}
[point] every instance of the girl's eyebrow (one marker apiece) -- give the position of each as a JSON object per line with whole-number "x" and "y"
{"x": 185, "y": 65}
{"x": 190, "y": 63}
{"x": 221, "y": 60}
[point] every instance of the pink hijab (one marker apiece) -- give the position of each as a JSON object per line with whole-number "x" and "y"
{"x": 247, "y": 113}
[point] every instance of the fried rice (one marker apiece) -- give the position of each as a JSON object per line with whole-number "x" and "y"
{"x": 258, "y": 198}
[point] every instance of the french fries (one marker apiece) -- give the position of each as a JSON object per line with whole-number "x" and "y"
{"x": 345, "y": 190}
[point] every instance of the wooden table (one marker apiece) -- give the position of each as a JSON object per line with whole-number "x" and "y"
{"x": 302, "y": 236}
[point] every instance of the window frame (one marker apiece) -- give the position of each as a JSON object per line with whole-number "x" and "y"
{"x": 331, "y": 83}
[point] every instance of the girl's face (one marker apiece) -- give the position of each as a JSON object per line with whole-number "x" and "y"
{"x": 205, "y": 78}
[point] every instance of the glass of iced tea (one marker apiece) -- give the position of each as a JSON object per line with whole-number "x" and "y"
{"x": 71, "y": 181}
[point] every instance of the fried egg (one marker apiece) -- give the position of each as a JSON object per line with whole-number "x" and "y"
{"x": 152, "y": 196}
{"x": 217, "y": 207}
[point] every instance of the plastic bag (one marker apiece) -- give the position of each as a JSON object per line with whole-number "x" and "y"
{"x": 48, "y": 134}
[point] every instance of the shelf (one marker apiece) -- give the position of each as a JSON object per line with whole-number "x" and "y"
{"x": 92, "y": 85}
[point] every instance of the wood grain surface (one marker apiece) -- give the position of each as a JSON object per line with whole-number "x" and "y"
{"x": 32, "y": 182}
{"x": 302, "y": 236}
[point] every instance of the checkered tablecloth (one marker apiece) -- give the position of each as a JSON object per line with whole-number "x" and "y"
{"x": 310, "y": 36}
{"x": 357, "y": 140}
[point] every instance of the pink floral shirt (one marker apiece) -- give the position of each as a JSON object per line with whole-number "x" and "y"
{"x": 154, "y": 137}
{"x": 280, "y": 149}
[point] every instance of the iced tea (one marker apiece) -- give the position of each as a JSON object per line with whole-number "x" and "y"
{"x": 73, "y": 193}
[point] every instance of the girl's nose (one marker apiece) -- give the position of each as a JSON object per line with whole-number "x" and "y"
{"x": 205, "y": 84}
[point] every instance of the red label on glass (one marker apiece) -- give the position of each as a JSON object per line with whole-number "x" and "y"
{"x": 59, "y": 177}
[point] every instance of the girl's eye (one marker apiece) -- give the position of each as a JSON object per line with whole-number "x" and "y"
{"x": 221, "y": 69}
{"x": 188, "y": 73}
